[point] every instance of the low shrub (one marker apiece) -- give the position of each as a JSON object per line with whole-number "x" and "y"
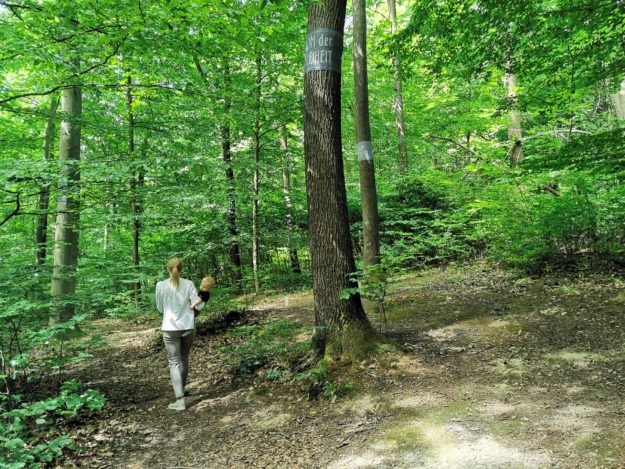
{"x": 30, "y": 434}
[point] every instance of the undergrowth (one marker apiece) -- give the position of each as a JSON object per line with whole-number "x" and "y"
{"x": 281, "y": 351}
{"x": 29, "y": 433}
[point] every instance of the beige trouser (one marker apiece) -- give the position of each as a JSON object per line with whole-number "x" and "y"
{"x": 178, "y": 345}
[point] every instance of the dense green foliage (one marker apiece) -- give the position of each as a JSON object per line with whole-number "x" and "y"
{"x": 563, "y": 206}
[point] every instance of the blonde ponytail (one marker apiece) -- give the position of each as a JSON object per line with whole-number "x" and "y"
{"x": 174, "y": 266}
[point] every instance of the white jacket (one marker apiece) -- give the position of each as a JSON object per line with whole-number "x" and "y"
{"x": 175, "y": 306}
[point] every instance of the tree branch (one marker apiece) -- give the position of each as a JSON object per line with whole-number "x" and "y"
{"x": 27, "y": 95}
{"x": 103, "y": 85}
{"x": 19, "y": 5}
{"x": 556, "y": 132}
{"x": 14, "y": 212}
{"x": 451, "y": 140}
{"x": 198, "y": 67}
{"x": 63, "y": 86}
{"x": 98, "y": 29}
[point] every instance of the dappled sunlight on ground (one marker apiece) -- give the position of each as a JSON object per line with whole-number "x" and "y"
{"x": 494, "y": 372}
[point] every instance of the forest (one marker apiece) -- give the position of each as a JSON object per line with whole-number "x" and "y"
{"x": 414, "y": 212}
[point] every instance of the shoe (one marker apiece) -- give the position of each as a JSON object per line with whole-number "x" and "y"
{"x": 178, "y": 405}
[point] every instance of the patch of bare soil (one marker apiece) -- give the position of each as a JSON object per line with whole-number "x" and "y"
{"x": 497, "y": 372}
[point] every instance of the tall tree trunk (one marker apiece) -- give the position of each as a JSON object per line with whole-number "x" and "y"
{"x": 67, "y": 219}
{"x": 286, "y": 190}
{"x": 344, "y": 329}
{"x": 256, "y": 179}
{"x": 398, "y": 96}
{"x": 226, "y": 152}
{"x": 105, "y": 235}
{"x": 515, "y": 129}
{"x": 618, "y": 99}
{"x": 41, "y": 235}
{"x": 234, "y": 251}
{"x": 136, "y": 182}
{"x": 366, "y": 167}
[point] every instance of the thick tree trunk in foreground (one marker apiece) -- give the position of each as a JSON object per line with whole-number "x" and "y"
{"x": 366, "y": 167}
{"x": 226, "y": 153}
{"x": 68, "y": 205}
{"x": 514, "y": 130}
{"x": 256, "y": 179}
{"x": 346, "y": 332}
{"x": 41, "y": 236}
{"x": 286, "y": 190}
{"x": 398, "y": 95}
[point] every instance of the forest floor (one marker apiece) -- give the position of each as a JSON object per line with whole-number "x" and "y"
{"x": 497, "y": 372}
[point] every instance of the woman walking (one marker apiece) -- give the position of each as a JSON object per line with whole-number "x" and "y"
{"x": 174, "y": 297}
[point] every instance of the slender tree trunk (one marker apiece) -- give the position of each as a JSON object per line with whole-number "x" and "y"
{"x": 286, "y": 190}
{"x": 234, "y": 251}
{"x": 366, "y": 167}
{"x": 226, "y": 152}
{"x": 68, "y": 205}
{"x": 136, "y": 182}
{"x": 256, "y": 179}
{"x": 514, "y": 130}
{"x": 344, "y": 329}
{"x": 41, "y": 235}
{"x": 618, "y": 99}
{"x": 398, "y": 95}
{"x": 105, "y": 235}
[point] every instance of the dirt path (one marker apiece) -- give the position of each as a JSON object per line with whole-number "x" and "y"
{"x": 497, "y": 373}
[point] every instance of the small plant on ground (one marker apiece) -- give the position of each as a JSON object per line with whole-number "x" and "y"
{"x": 281, "y": 351}
{"x": 29, "y": 433}
{"x": 373, "y": 287}
{"x": 275, "y": 346}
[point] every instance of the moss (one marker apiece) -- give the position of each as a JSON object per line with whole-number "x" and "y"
{"x": 408, "y": 280}
{"x": 440, "y": 415}
{"x": 424, "y": 430}
{"x": 608, "y": 446}
{"x": 575, "y": 359}
{"x": 397, "y": 311}
{"x": 408, "y": 438}
{"x": 389, "y": 347}
{"x": 506, "y": 427}
{"x": 354, "y": 342}
{"x": 517, "y": 327}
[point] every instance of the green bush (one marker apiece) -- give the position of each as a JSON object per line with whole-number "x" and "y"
{"x": 547, "y": 223}
{"x": 272, "y": 346}
{"x": 427, "y": 221}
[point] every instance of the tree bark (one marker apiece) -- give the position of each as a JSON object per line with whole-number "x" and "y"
{"x": 366, "y": 167}
{"x": 618, "y": 99}
{"x": 345, "y": 332}
{"x": 41, "y": 235}
{"x": 226, "y": 152}
{"x": 256, "y": 178}
{"x": 136, "y": 182}
{"x": 398, "y": 95}
{"x": 514, "y": 130}
{"x": 67, "y": 220}
{"x": 286, "y": 190}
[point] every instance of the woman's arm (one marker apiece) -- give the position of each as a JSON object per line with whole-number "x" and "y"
{"x": 196, "y": 301}
{"x": 159, "y": 299}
